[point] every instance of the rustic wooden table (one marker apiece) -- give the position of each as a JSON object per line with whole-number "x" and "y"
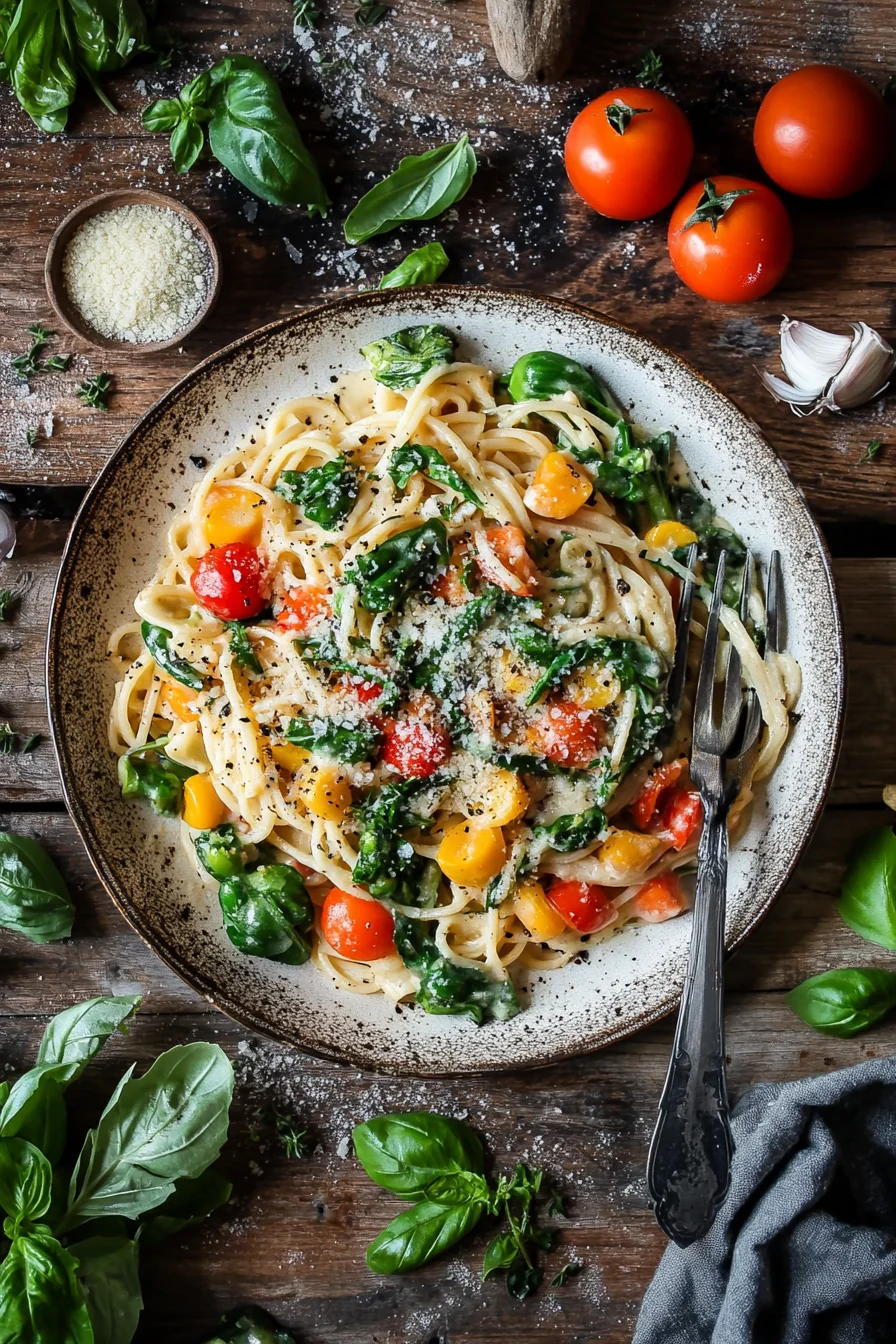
{"x": 294, "y": 1236}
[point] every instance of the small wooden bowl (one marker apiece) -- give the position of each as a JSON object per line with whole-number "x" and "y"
{"x": 57, "y": 293}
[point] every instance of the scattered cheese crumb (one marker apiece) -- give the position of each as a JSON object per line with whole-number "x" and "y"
{"x": 138, "y": 273}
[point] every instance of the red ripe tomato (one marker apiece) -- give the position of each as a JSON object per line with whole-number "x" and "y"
{"x": 228, "y": 581}
{"x": 822, "y": 132}
{"x": 567, "y": 734}
{"x": 658, "y": 900}
{"x": 681, "y": 815}
{"x": 414, "y": 748}
{"x": 584, "y": 905}
{"x": 660, "y": 779}
{"x": 303, "y": 606}
{"x": 355, "y": 928}
{"x": 362, "y": 688}
{"x": 504, "y": 560}
{"x": 730, "y": 239}
{"x": 628, "y": 153}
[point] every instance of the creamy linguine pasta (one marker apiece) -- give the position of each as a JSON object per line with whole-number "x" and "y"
{"x": 410, "y": 642}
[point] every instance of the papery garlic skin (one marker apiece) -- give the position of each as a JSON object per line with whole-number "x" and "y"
{"x": 827, "y": 371}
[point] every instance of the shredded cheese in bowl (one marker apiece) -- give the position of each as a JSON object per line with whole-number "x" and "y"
{"x": 137, "y": 273}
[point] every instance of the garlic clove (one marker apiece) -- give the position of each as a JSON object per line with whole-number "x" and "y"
{"x": 811, "y": 357}
{"x": 783, "y": 391}
{"x": 866, "y": 372}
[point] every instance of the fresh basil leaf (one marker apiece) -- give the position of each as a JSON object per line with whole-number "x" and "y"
{"x": 253, "y": 135}
{"x": 500, "y": 1253}
{"x": 193, "y": 1199}
{"x": 421, "y": 187}
{"x": 76, "y": 1034}
{"x": 40, "y": 1299}
{"x": 34, "y": 899}
{"x": 249, "y": 1325}
{"x": 26, "y": 1179}
{"x": 156, "y": 1129}
{"x": 163, "y": 115}
{"x": 109, "y": 1275}
{"x": 399, "y": 361}
{"x": 386, "y": 574}
{"x": 421, "y": 267}
{"x": 419, "y": 1234}
{"x": 413, "y": 457}
{"x": 187, "y": 140}
{"x": 158, "y": 645}
{"x": 844, "y": 1002}
{"x": 324, "y": 737}
{"x": 41, "y": 64}
{"x": 35, "y": 1110}
{"x": 868, "y": 897}
{"x": 406, "y": 1153}
{"x": 459, "y": 1187}
{"x": 523, "y": 1279}
{"x": 569, "y": 1271}
{"x": 325, "y": 494}
{"x": 108, "y": 33}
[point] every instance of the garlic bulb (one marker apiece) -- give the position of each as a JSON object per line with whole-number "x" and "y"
{"x": 827, "y": 371}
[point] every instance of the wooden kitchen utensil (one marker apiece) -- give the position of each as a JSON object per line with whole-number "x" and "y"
{"x": 535, "y": 40}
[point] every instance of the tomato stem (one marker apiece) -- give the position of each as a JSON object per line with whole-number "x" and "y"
{"x": 712, "y": 207}
{"x": 620, "y": 114}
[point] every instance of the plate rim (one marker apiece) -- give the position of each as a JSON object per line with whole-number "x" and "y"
{"x": 219, "y": 997}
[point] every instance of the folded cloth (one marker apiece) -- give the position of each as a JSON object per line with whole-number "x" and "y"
{"x": 803, "y": 1249}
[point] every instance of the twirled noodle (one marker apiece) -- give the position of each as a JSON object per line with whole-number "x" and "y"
{"x": 597, "y": 580}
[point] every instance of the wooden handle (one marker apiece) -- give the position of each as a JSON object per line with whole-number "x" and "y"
{"x": 535, "y": 39}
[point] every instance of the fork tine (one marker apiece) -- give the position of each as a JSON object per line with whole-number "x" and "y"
{"x": 675, "y": 689}
{"x": 704, "y": 728}
{"x": 774, "y": 594}
{"x": 746, "y": 587}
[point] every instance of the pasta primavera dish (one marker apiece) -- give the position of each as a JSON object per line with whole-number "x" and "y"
{"x": 402, "y": 674}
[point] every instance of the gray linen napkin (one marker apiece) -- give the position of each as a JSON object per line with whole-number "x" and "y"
{"x": 803, "y": 1250}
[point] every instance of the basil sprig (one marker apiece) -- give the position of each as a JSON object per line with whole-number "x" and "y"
{"x": 422, "y": 267}
{"x": 437, "y": 1162}
{"x": 34, "y": 899}
{"x": 250, "y": 131}
{"x": 421, "y": 187}
{"x": 146, "y": 1163}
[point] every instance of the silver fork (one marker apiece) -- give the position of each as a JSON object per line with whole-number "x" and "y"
{"x": 689, "y": 1165}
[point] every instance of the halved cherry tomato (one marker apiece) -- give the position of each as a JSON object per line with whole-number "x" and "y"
{"x": 504, "y": 560}
{"x": 632, "y": 172}
{"x": 660, "y": 779}
{"x": 584, "y": 905}
{"x": 822, "y": 131}
{"x": 658, "y": 899}
{"x": 414, "y": 747}
{"x": 745, "y": 254}
{"x": 355, "y": 928}
{"x": 362, "y": 688}
{"x": 681, "y": 815}
{"x": 567, "y": 733}
{"x": 228, "y": 581}
{"x": 303, "y": 606}
{"x": 449, "y": 585}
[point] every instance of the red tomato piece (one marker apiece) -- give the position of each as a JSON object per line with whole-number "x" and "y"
{"x": 503, "y": 558}
{"x": 681, "y": 815}
{"x": 657, "y": 900}
{"x": 414, "y": 747}
{"x": 747, "y": 252}
{"x": 364, "y": 689}
{"x": 567, "y": 733}
{"x": 660, "y": 779}
{"x": 355, "y": 928}
{"x": 822, "y": 131}
{"x": 585, "y": 906}
{"x": 228, "y": 581}
{"x": 303, "y": 607}
{"x": 634, "y": 172}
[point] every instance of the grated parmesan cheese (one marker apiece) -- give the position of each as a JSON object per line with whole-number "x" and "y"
{"x": 138, "y": 273}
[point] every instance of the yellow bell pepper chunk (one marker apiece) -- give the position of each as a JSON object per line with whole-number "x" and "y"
{"x": 232, "y": 514}
{"x": 594, "y": 688}
{"x": 322, "y": 787}
{"x": 669, "y": 535}
{"x": 471, "y": 855}
{"x": 512, "y": 675}
{"x": 501, "y": 797}
{"x": 290, "y": 757}
{"x": 558, "y": 488}
{"x": 535, "y": 913}
{"x": 203, "y": 809}
{"x": 628, "y": 850}
{"x": 179, "y": 702}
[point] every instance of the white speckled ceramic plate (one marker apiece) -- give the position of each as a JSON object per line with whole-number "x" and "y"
{"x": 629, "y": 980}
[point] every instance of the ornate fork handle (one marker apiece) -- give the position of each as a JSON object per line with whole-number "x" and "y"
{"x": 689, "y": 1165}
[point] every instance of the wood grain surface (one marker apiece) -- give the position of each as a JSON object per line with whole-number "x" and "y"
{"x": 294, "y": 1237}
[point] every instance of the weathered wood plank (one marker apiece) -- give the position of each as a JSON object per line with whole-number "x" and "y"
{"x": 354, "y": 105}
{"x": 867, "y": 590}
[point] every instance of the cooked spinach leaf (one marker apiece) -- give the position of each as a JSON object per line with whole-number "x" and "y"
{"x": 633, "y": 661}
{"x": 421, "y": 187}
{"x": 221, "y": 851}
{"x": 158, "y": 644}
{"x": 388, "y": 865}
{"x": 267, "y": 913}
{"x": 574, "y": 830}
{"x": 335, "y": 741}
{"x": 399, "y": 361}
{"x": 446, "y": 987}
{"x": 324, "y": 494}
{"x": 146, "y": 772}
{"x": 387, "y": 573}
{"x": 323, "y": 653}
{"x": 414, "y": 457}
{"x": 241, "y": 647}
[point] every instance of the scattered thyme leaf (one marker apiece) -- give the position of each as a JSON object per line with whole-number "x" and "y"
{"x": 30, "y": 743}
{"x": 31, "y": 363}
{"x": 651, "y": 74}
{"x": 295, "y": 1142}
{"x": 871, "y": 451}
{"x": 166, "y": 46}
{"x": 7, "y": 601}
{"x": 55, "y": 363}
{"x": 9, "y": 741}
{"x": 31, "y": 436}
{"x": 95, "y": 391}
